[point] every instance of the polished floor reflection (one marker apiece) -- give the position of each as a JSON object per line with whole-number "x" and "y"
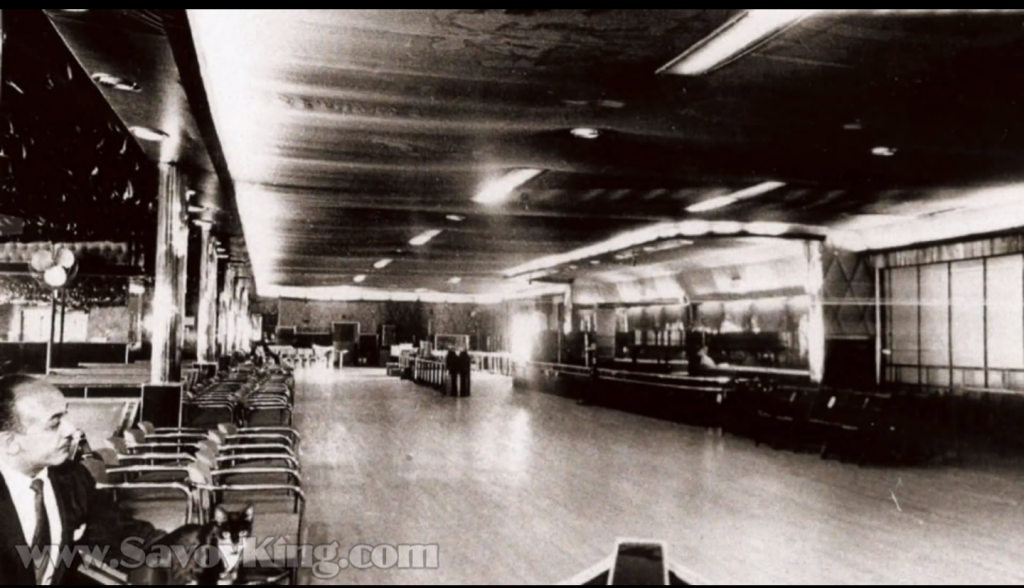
{"x": 527, "y": 488}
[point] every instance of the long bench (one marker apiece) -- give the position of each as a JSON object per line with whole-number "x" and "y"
{"x": 853, "y": 425}
{"x": 160, "y": 403}
{"x": 30, "y": 358}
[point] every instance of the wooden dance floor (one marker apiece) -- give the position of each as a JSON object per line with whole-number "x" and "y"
{"x": 520, "y": 487}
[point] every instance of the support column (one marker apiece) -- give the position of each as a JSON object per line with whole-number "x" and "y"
{"x": 816, "y": 318}
{"x": 206, "y": 321}
{"x": 242, "y": 323}
{"x": 170, "y": 283}
{"x": 227, "y": 311}
{"x": 2, "y": 37}
{"x": 136, "y": 311}
{"x": 878, "y": 329}
{"x": 223, "y": 312}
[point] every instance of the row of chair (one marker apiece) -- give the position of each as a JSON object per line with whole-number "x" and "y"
{"x": 175, "y": 476}
{"x": 881, "y": 426}
{"x": 246, "y": 396}
{"x": 859, "y": 426}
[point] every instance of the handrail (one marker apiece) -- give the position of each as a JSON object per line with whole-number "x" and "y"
{"x": 632, "y": 377}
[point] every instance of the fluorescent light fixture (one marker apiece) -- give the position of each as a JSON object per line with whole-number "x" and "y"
{"x": 359, "y": 293}
{"x": 359, "y": 279}
{"x": 595, "y": 262}
{"x": 455, "y": 280}
{"x": 382, "y": 264}
{"x": 883, "y": 151}
{"x": 586, "y": 133}
{"x": 713, "y": 204}
{"x": 455, "y": 218}
{"x": 727, "y": 228}
{"x": 653, "y": 234}
{"x": 694, "y": 228}
{"x": 723, "y": 201}
{"x": 499, "y": 189}
{"x": 147, "y": 134}
{"x": 990, "y": 211}
{"x": 768, "y": 229}
{"x": 736, "y": 38}
{"x": 667, "y": 245}
{"x": 424, "y": 238}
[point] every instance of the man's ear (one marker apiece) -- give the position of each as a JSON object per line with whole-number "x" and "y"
{"x": 9, "y": 445}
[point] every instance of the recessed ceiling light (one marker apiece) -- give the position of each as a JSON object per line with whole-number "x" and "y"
{"x": 455, "y": 218}
{"x": 883, "y": 151}
{"x": 424, "y": 238}
{"x": 499, "y": 189}
{"x": 382, "y": 264}
{"x": 116, "y": 83}
{"x": 147, "y": 134}
{"x": 455, "y": 280}
{"x": 723, "y": 201}
{"x": 734, "y": 39}
{"x": 359, "y": 279}
{"x": 586, "y": 133}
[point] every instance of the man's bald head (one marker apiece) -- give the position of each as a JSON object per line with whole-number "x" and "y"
{"x": 10, "y": 388}
{"x": 34, "y": 430}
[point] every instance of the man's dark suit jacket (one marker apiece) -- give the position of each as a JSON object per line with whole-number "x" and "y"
{"x": 80, "y": 503}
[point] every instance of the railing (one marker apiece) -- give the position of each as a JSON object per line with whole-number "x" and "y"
{"x": 429, "y": 372}
{"x": 405, "y": 360}
{"x": 496, "y": 363}
{"x": 955, "y": 378}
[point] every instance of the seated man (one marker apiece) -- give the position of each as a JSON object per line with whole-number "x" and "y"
{"x": 46, "y": 500}
{"x": 705, "y": 359}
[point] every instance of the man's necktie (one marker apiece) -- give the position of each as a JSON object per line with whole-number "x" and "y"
{"x": 41, "y": 537}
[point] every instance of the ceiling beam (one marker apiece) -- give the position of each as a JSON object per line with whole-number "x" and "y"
{"x": 419, "y": 203}
{"x": 183, "y": 47}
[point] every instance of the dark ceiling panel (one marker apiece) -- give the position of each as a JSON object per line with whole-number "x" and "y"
{"x": 369, "y": 126}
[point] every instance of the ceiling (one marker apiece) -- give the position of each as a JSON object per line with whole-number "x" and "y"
{"x": 130, "y": 56}
{"x": 343, "y": 134}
